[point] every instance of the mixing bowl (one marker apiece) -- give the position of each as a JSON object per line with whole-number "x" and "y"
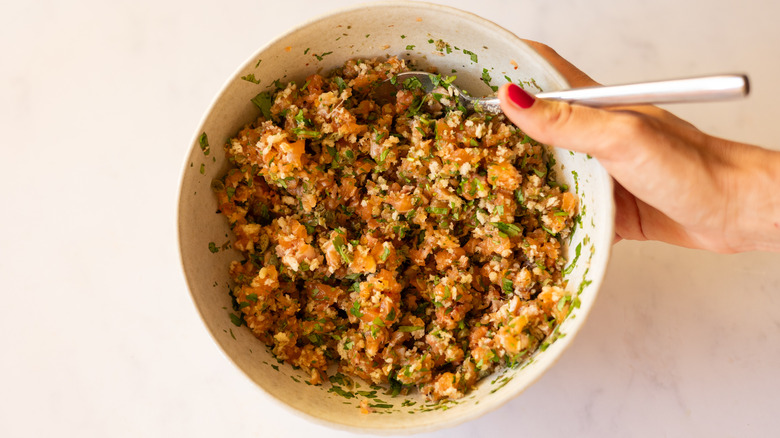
{"x": 482, "y": 55}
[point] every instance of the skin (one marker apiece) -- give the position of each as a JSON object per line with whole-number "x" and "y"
{"x": 673, "y": 183}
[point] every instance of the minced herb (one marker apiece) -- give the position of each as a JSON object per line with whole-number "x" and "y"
{"x": 264, "y": 101}
{"x": 203, "y": 140}
{"x": 251, "y": 78}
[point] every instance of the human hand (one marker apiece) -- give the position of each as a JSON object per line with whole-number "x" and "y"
{"x": 673, "y": 183}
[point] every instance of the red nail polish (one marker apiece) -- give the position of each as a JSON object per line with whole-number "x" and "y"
{"x": 519, "y": 96}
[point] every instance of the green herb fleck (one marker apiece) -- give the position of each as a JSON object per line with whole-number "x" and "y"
{"x": 338, "y": 390}
{"x": 471, "y": 54}
{"x": 383, "y": 156}
{"x": 486, "y": 79}
{"x": 412, "y": 83}
{"x": 204, "y": 143}
{"x": 519, "y": 196}
{"x": 236, "y": 320}
{"x": 355, "y": 310}
{"x": 562, "y": 302}
{"x": 301, "y": 119}
{"x": 510, "y": 230}
{"x": 507, "y": 285}
{"x": 340, "y": 83}
{"x": 338, "y": 242}
{"x": 438, "y": 210}
{"x": 251, "y": 78}
{"x": 264, "y": 102}
{"x": 573, "y": 263}
{"x": 302, "y": 132}
{"x": 319, "y": 57}
{"x": 576, "y": 181}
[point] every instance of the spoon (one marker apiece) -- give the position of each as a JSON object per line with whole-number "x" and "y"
{"x": 696, "y": 89}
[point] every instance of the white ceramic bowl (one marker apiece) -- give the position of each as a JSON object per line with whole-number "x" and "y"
{"x": 409, "y": 30}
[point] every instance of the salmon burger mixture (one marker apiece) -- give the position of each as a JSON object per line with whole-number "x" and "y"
{"x": 410, "y": 243}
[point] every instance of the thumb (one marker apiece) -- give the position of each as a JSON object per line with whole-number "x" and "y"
{"x": 574, "y": 127}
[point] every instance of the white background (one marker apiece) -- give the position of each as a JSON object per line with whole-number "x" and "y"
{"x": 99, "y": 101}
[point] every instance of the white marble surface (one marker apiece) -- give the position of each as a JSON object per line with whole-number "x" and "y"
{"x": 99, "y": 337}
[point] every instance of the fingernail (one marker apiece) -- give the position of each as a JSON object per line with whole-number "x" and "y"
{"x": 519, "y": 96}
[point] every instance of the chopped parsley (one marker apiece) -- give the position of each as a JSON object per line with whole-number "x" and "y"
{"x": 340, "y": 391}
{"x": 472, "y": 55}
{"x": 507, "y": 285}
{"x": 203, "y": 140}
{"x": 303, "y": 132}
{"x": 251, "y": 78}
{"x": 236, "y": 320}
{"x": 355, "y": 309}
{"x": 319, "y": 57}
{"x": 437, "y": 210}
{"x": 510, "y": 230}
{"x": 340, "y": 83}
{"x": 264, "y": 101}
{"x": 486, "y": 79}
{"x": 340, "y": 246}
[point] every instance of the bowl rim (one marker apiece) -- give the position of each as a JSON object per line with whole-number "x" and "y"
{"x": 561, "y": 344}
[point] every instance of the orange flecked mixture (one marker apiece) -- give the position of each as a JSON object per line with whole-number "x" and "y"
{"x": 411, "y": 243}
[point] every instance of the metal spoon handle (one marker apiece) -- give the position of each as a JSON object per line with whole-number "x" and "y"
{"x": 698, "y": 89}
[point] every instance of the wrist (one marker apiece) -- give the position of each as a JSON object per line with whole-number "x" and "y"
{"x": 755, "y": 200}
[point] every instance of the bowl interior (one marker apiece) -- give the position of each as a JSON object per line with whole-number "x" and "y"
{"x": 478, "y": 52}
